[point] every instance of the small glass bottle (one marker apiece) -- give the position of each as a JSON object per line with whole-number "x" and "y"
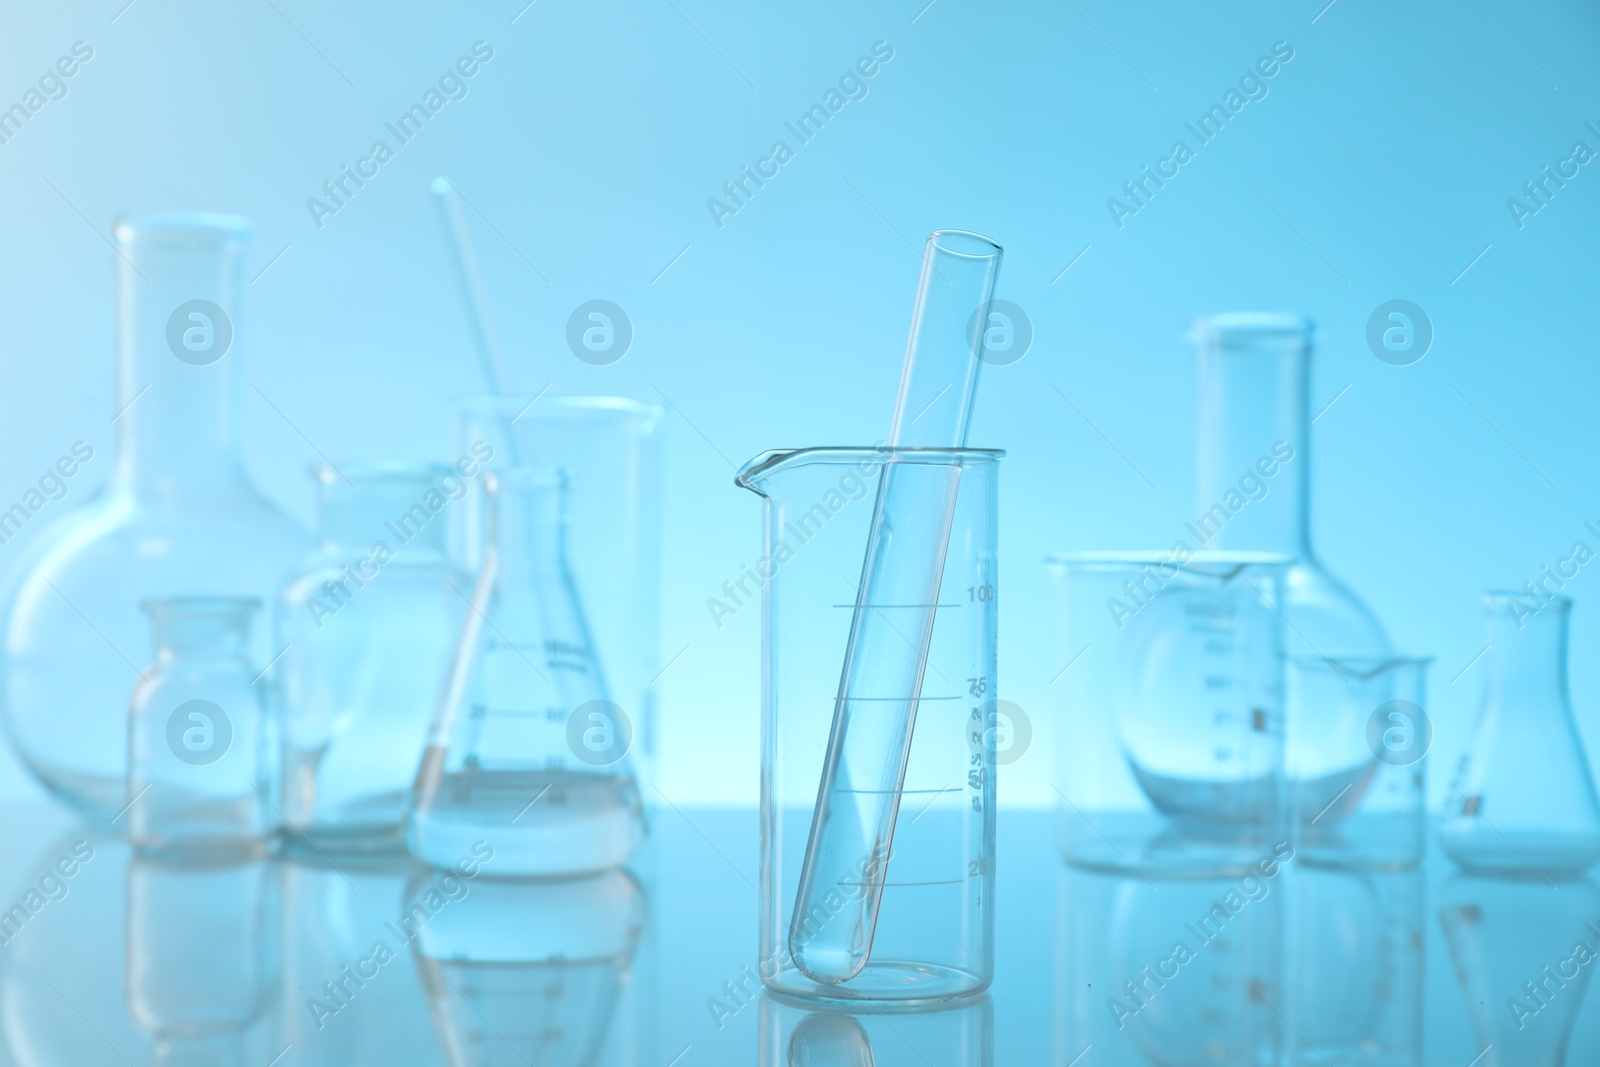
{"x": 1255, "y": 495}
{"x": 177, "y": 516}
{"x": 202, "y": 751}
{"x": 1523, "y": 800}
{"x": 368, "y": 621}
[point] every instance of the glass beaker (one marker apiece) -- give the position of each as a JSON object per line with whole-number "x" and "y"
{"x": 526, "y": 750}
{"x": 366, "y": 622}
{"x": 1171, "y": 752}
{"x": 179, "y": 516}
{"x": 1255, "y": 495}
{"x": 1523, "y": 798}
{"x": 1379, "y": 816}
{"x": 610, "y": 449}
{"x": 934, "y": 935}
{"x": 524, "y": 971}
{"x": 203, "y": 756}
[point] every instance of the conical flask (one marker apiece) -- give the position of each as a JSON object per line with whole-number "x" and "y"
{"x": 526, "y": 751}
{"x": 1523, "y": 800}
{"x": 1255, "y": 495}
{"x": 1523, "y": 951}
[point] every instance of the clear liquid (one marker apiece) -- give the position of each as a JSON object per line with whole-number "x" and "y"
{"x": 539, "y": 822}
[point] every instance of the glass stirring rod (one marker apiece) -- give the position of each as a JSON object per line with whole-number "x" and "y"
{"x": 858, "y": 798}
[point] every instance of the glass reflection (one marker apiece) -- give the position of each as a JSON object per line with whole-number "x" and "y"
{"x": 1523, "y": 951}
{"x": 816, "y": 1034}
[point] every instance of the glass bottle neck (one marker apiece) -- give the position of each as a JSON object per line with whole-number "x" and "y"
{"x": 178, "y": 354}
{"x": 1254, "y": 441}
{"x": 1528, "y": 654}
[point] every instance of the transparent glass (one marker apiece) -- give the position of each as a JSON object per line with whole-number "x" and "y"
{"x": 1171, "y": 753}
{"x": 203, "y": 758}
{"x": 1186, "y": 968}
{"x": 609, "y": 448}
{"x": 818, "y": 1035}
{"x": 1355, "y": 968}
{"x": 365, "y": 624}
{"x": 518, "y": 971}
{"x": 1255, "y": 495}
{"x": 526, "y": 750}
{"x": 1523, "y": 799}
{"x": 1524, "y": 952}
{"x": 1379, "y": 817}
{"x": 201, "y": 959}
{"x": 933, "y": 938}
{"x": 178, "y": 516}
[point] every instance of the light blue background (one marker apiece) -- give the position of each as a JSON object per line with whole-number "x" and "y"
{"x": 1387, "y": 149}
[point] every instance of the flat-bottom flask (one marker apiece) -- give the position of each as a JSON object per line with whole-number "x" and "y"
{"x": 1523, "y": 800}
{"x": 526, "y": 751}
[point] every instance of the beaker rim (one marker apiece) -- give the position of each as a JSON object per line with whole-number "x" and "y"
{"x": 1495, "y": 600}
{"x": 200, "y": 605}
{"x": 378, "y": 470}
{"x": 1211, "y": 328}
{"x": 965, "y": 243}
{"x": 180, "y": 228}
{"x": 560, "y": 406}
{"x": 758, "y": 468}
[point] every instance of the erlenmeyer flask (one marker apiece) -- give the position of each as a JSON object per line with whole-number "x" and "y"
{"x": 1523, "y": 799}
{"x": 526, "y": 751}
{"x": 1255, "y": 482}
{"x": 178, "y": 515}
{"x": 1524, "y": 950}
{"x": 523, "y": 971}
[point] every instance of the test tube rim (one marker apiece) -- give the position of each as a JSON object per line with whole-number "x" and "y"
{"x": 951, "y": 242}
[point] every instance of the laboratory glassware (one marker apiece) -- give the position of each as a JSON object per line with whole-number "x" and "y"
{"x": 1523, "y": 798}
{"x": 526, "y": 750}
{"x": 201, "y": 963}
{"x": 1355, "y": 970}
{"x": 524, "y": 971}
{"x": 827, "y": 1035}
{"x": 1172, "y": 695}
{"x": 1187, "y": 968}
{"x": 203, "y": 756}
{"x": 334, "y": 912}
{"x": 1379, "y": 816}
{"x": 1255, "y": 495}
{"x": 366, "y": 623}
{"x": 610, "y": 449}
{"x": 179, "y": 515}
{"x": 934, "y": 936}
{"x": 1524, "y": 951}
{"x": 875, "y": 708}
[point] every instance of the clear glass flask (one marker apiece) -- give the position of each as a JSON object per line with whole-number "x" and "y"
{"x": 610, "y": 449}
{"x": 526, "y": 750}
{"x": 1172, "y": 747}
{"x": 1255, "y": 495}
{"x": 178, "y": 516}
{"x": 366, "y": 623}
{"x": 1523, "y": 799}
{"x": 933, "y": 938}
{"x": 203, "y": 757}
